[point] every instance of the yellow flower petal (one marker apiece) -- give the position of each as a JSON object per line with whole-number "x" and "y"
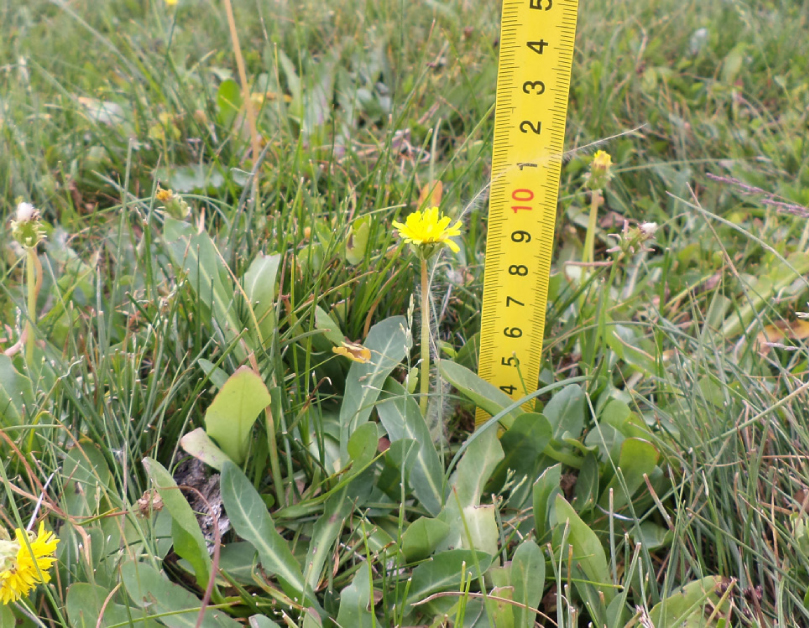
{"x": 429, "y": 227}
{"x": 355, "y": 352}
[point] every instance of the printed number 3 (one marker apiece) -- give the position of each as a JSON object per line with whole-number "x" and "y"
{"x": 538, "y": 86}
{"x": 525, "y": 125}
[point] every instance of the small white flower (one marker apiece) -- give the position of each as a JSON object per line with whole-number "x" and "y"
{"x": 649, "y": 229}
{"x": 26, "y": 212}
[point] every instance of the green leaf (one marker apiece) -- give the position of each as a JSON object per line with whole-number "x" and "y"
{"x": 474, "y": 470}
{"x": 402, "y": 419}
{"x": 238, "y": 560}
{"x": 327, "y": 528}
{"x": 251, "y": 520}
{"x": 89, "y": 478}
{"x": 396, "y": 465}
{"x": 687, "y": 607}
{"x": 652, "y": 536}
{"x": 387, "y": 342}
{"x": 15, "y": 392}
{"x": 357, "y": 240}
{"x": 528, "y": 580}
{"x": 467, "y": 355}
{"x": 587, "y": 484}
{"x": 443, "y": 572}
{"x": 198, "y": 444}
{"x": 478, "y": 391}
{"x": 207, "y": 275}
{"x": 199, "y": 178}
{"x": 229, "y": 100}
{"x": 7, "y": 618}
{"x": 422, "y": 538}
{"x": 84, "y": 604}
{"x": 565, "y": 411}
{"x": 261, "y": 621}
{"x": 523, "y": 444}
{"x": 363, "y": 445}
{"x": 188, "y": 540}
{"x": 157, "y": 595}
{"x": 259, "y": 286}
{"x": 330, "y": 329}
{"x": 229, "y": 419}
{"x": 637, "y": 457}
{"x": 545, "y": 490}
{"x": 217, "y": 376}
{"x": 355, "y": 601}
{"x": 588, "y": 553}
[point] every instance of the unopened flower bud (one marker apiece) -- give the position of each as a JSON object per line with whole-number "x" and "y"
{"x": 600, "y": 171}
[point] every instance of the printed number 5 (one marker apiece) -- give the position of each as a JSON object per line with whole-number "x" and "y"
{"x": 536, "y": 129}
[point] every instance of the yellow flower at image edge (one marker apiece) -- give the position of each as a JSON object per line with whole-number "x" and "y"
{"x": 23, "y": 569}
{"x": 429, "y": 228}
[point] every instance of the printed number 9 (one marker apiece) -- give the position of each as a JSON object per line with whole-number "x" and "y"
{"x": 520, "y": 236}
{"x": 512, "y": 332}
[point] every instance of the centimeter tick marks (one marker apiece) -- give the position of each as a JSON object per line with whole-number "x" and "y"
{"x": 536, "y": 55}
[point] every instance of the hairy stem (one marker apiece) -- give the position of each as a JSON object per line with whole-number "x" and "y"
{"x": 424, "y": 378}
{"x": 30, "y": 272}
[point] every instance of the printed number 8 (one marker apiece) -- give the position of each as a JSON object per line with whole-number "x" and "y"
{"x": 518, "y": 269}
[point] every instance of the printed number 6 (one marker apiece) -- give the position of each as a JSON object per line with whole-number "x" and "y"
{"x": 539, "y": 86}
{"x": 536, "y": 129}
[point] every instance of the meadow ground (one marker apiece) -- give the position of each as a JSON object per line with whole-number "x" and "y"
{"x": 662, "y": 479}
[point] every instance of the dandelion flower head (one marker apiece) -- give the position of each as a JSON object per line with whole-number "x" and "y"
{"x": 24, "y": 563}
{"x": 428, "y": 229}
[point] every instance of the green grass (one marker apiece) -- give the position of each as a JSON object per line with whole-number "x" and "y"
{"x": 367, "y": 102}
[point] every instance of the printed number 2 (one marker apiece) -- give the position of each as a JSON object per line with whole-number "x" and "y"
{"x": 525, "y": 125}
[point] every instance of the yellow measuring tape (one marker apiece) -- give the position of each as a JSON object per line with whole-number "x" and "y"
{"x": 536, "y": 55}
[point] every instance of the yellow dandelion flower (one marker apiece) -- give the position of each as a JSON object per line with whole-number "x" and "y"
{"x": 429, "y": 229}
{"x": 24, "y": 565}
{"x": 355, "y": 352}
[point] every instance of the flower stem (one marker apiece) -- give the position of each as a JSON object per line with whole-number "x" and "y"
{"x": 30, "y": 265}
{"x": 589, "y": 240}
{"x": 424, "y": 377}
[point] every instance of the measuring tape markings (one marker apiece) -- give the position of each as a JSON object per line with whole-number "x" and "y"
{"x": 536, "y": 57}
